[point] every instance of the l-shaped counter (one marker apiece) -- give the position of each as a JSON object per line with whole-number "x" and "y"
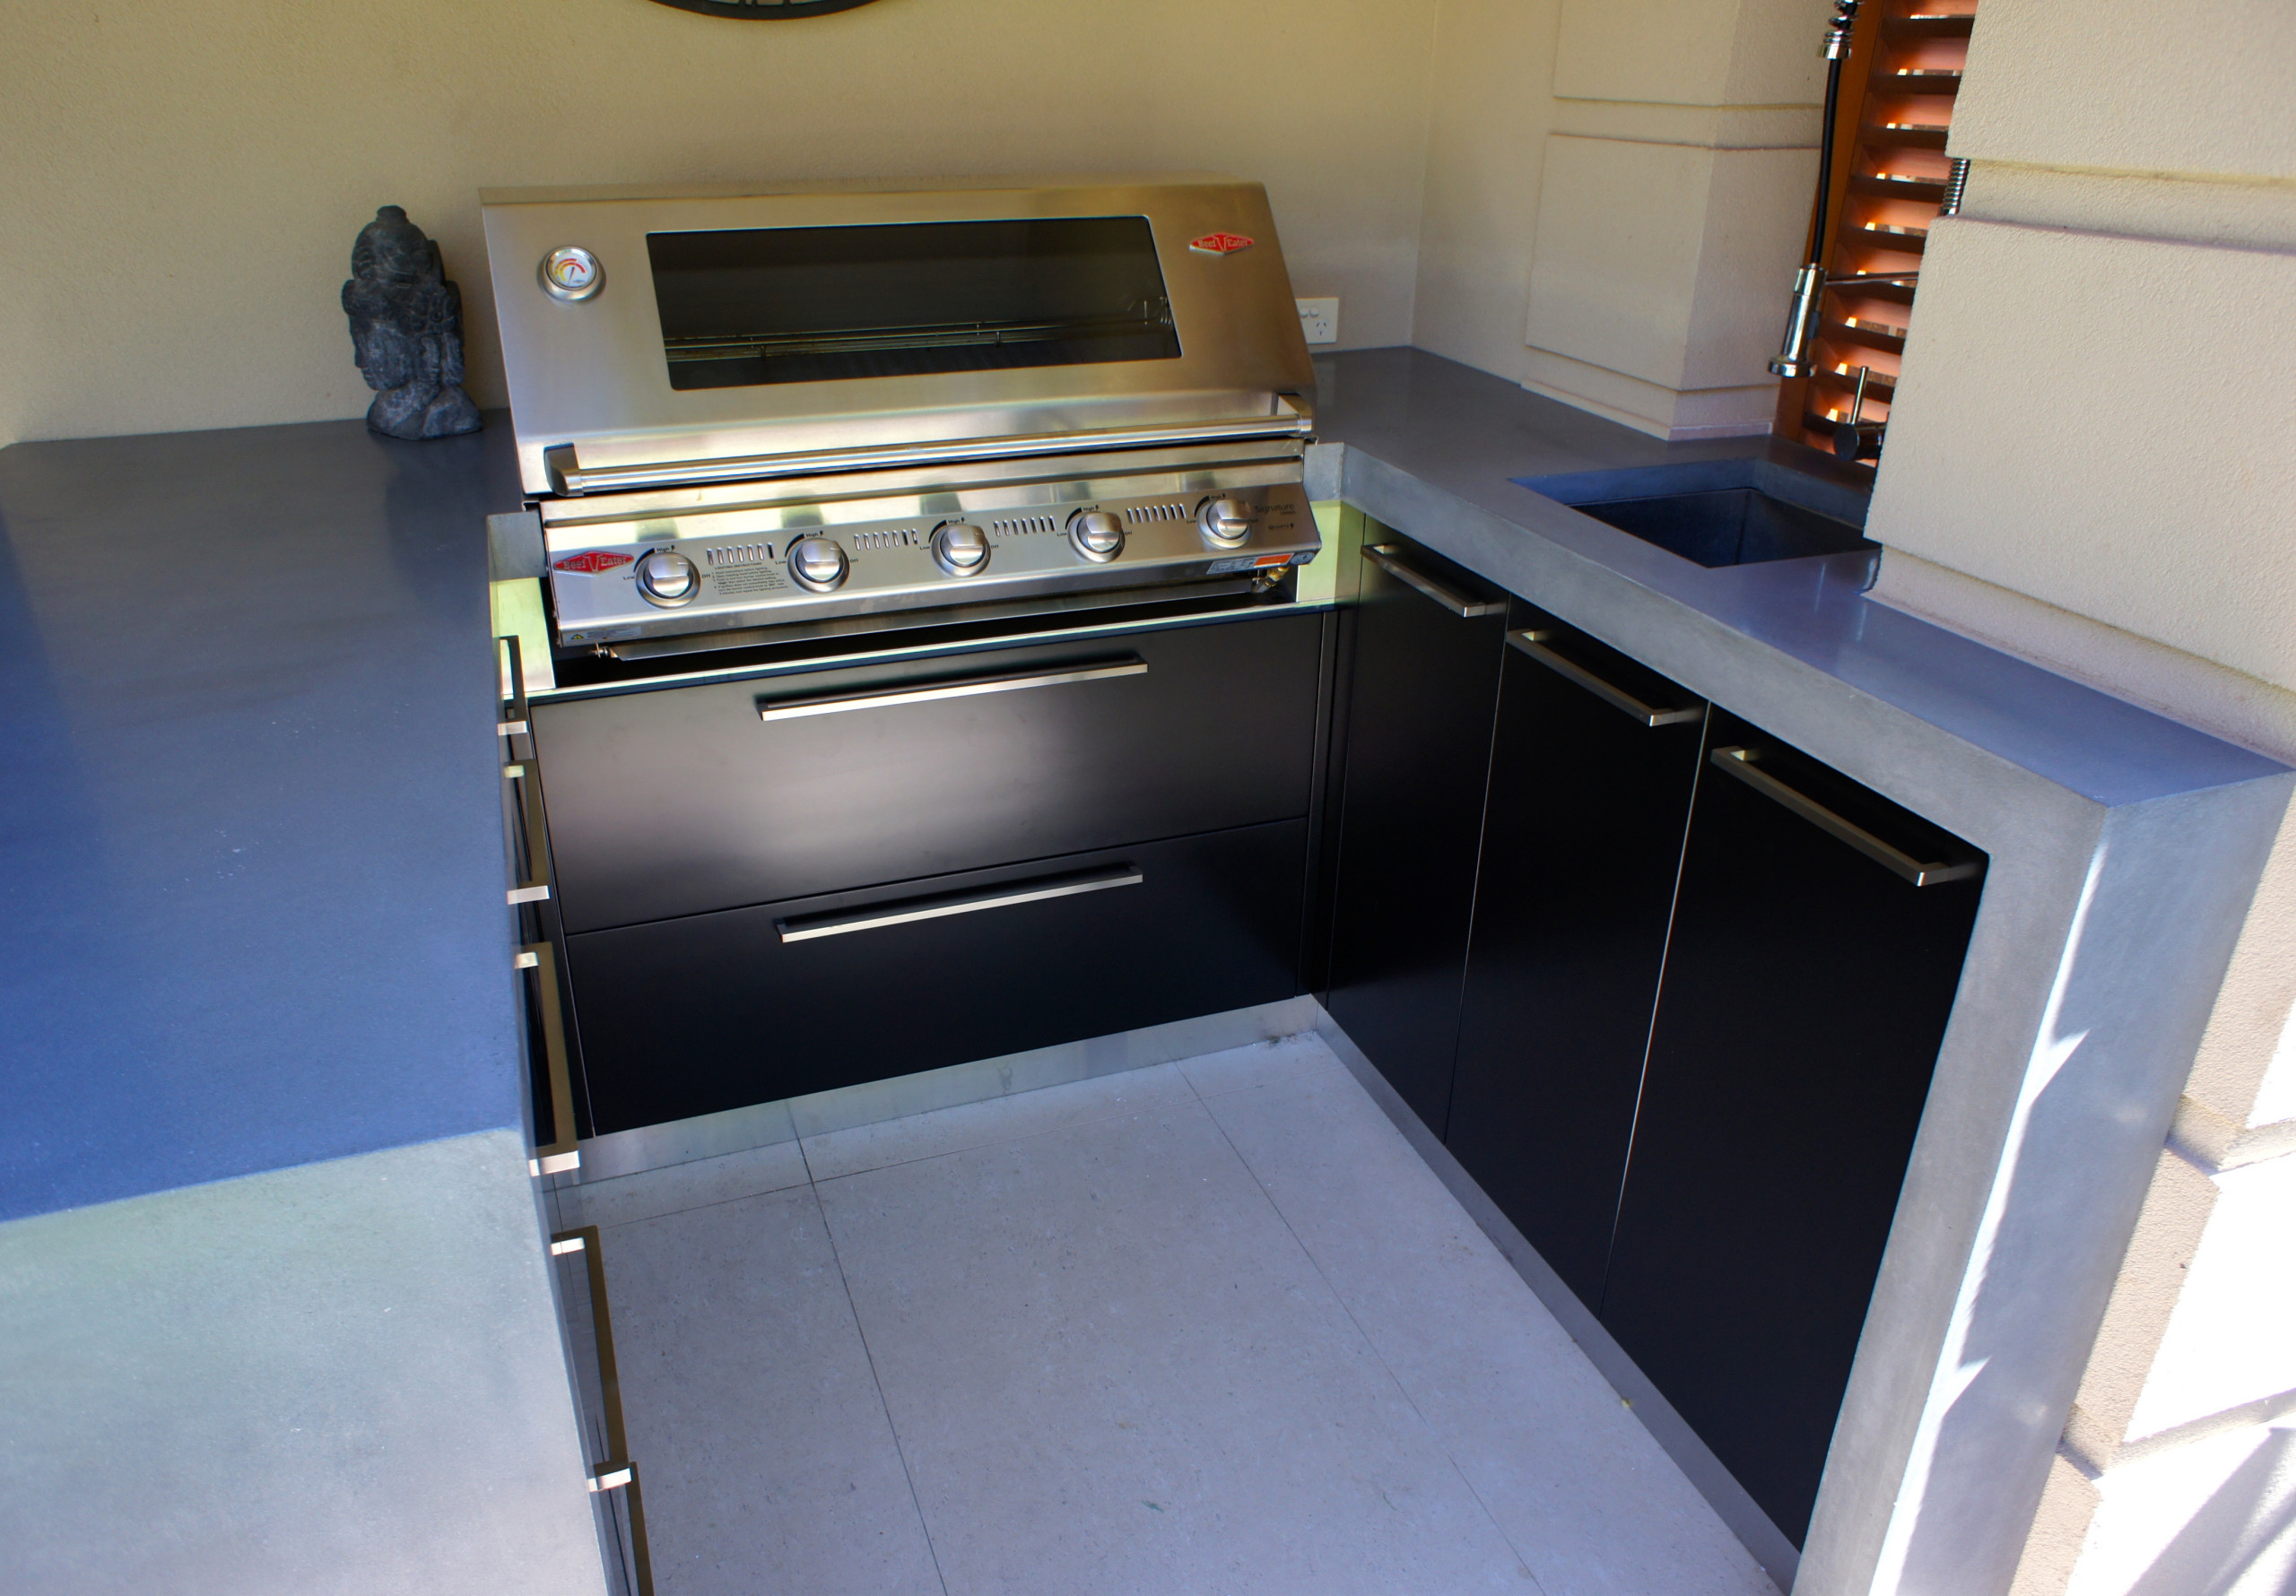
{"x": 254, "y": 852}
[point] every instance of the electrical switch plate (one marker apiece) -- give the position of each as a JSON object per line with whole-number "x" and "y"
{"x": 1319, "y": 320}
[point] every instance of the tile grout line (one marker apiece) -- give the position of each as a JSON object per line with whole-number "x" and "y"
{"x": 1388, "y": 1368}
{"x": 885, "y": 1406}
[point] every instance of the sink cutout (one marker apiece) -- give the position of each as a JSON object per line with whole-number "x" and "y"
{"x": 1722, "y": 512}
{"x": 1728, "y": 526}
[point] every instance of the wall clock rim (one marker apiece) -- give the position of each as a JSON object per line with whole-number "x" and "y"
{"x": 784, "y": 11}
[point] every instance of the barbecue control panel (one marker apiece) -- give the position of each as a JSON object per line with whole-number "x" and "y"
{"x": 617, "y": 581}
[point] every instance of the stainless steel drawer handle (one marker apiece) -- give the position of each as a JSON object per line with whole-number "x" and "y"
{"x": 513, "y": 720}
{"x": 615, "y": 1471}
{"x": 563, "y": 1153}
{"x": 1534, "y": 645}
{"x": 1740, "y": 763}
{"x": 1457, "y": 602}
{"x": 803, "y": 928}
{"x": 964, "y": 687}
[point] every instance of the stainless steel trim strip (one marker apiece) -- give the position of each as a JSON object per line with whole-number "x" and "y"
{"x": 1457, "y": 603}
{"x": 963, "y": 687}
{"x": 1532, "y": 643}
{"x": 569, "y": 476}
{"x": 1740, "y": 763}
{"x": 806, "y": 927}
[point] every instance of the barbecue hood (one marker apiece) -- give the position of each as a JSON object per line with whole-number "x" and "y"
{"x": 661, "y": 337}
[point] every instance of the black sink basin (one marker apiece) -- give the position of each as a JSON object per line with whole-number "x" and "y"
{"x": 1727, "y": 526}
{"x": 1722, "y": 512}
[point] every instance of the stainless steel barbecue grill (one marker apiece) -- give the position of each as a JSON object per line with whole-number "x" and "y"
{"x": 743, "y": 416}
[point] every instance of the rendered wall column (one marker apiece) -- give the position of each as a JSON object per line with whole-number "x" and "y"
{"x": 2091, "y": 462}
{"x": 1673, "y": 197}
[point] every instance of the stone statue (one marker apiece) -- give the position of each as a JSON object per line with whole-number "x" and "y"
{"x": 406, "y": 331}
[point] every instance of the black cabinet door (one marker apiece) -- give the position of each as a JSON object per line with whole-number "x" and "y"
{"x": 678, "y": 801}
{"x": 1422, "y": 685}
{"x": 1590, "y": 787}
{"x": 1806, "y": 991}
{"x": 715, "y": 1011}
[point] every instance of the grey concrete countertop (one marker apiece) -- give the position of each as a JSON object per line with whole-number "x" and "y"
{"x": 251, "y": 854}
{"x": 1435, "y": 445}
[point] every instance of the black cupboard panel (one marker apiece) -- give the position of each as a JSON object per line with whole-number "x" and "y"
{"x": 1581, "y": 839}
{"x": 715, "y": 1011}
{"x": 1423, "y": 686}
{"x": 1805, "y": 995}
{"x": 678, "y": 801}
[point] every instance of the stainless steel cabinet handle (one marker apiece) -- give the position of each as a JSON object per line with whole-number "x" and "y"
{"x": 535, "y": 888}
{"x": 1457, "y": 602}
{"x": 562, "y": 1154}
{"x": 514, "y": 718}
{"x": 802, "y": 928}
{"x": 1534, "y": 645}
{"x": 1740, "y": 763}
{"x": 1005, "y": 682}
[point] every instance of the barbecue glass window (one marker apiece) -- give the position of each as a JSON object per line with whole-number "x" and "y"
{"x": 818, "y": 304}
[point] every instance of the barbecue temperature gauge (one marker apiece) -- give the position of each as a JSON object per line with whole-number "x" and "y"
{"x": 572, "y": 272}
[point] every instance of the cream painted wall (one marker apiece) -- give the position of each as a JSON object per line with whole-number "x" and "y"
{"x": 2093, "y": 463}
{"x": 182, "y": 183}
{"x": 1494, "y": 65}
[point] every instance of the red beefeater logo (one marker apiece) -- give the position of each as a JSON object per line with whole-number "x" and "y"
{"x": 592, "y": 563}
{"x": 1219, "y": 243}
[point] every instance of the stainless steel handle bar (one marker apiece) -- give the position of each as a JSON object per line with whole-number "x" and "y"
{"x": 1740, "y": 763}
{"x": 1451, "y": 599}
{"x": 805, "y": 928}
{"x": 1534, "y": 645}
{"x": 962, "y": 687}
{"x": 563, "y": 1154}
{"x": 569, "y": 476}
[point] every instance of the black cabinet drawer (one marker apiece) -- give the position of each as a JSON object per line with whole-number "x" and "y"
{"x": 1591, "y": 777}
{"x": 715, "y": 1011}
{"x": 678, "y": 801}
{"x": 1423, "y": 683}
{"x": 1806, "y": 991}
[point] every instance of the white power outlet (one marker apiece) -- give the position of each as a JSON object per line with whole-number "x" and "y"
{"x": 1319, "y": 319}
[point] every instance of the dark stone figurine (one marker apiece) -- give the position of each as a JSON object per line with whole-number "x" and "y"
{"x": 406, "y": 331}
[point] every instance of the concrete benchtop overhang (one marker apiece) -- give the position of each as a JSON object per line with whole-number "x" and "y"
{"x": 252, "y": 865}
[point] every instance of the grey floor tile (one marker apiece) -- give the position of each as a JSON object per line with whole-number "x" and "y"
{"x": 1584, "y": 1494}
{"x": 768, "y": 1462}
{"x": 998, "y": 1119}
{"x": 1114, "y": 1370}
{"x": 653, "y": 1193}
{"x": 1260, "y": 1065}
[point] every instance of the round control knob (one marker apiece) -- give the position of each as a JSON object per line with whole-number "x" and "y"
{"x": 960, "y": 548}
{"x": 667, "y": 579}
{"x": 1096, "y": 534}
{"x": 1225, "y": 522}
{"x": 818, "y": 564}
{"x": 572, "y": 272}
